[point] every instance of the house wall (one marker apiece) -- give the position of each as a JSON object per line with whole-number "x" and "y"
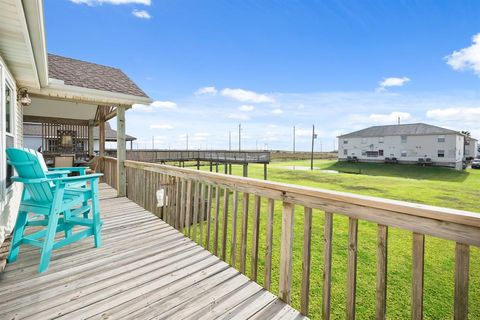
{"x": 416, "y": 146}
{"x": 471, "y": 150}
{"x": 9, "y": 197}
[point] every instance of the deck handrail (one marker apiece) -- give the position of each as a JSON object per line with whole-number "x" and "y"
{"x": 188, "y": 187}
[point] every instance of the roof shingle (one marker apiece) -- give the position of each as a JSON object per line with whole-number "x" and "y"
{"x": 92, "y": 76}
{"x": 398, "y": 130}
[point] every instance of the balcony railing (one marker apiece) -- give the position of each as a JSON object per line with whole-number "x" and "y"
{"x": 206, "y": 207}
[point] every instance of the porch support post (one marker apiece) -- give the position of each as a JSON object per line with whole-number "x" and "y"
{"x": 121, "y": 153}
{"x": 90, "y": 138}
{"x": 101, "y": 135}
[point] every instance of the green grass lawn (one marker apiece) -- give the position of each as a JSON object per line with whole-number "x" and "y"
{"x": 434, "y": 186}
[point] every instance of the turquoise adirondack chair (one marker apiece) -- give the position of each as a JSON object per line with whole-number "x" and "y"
{"x": 54, "y": 203}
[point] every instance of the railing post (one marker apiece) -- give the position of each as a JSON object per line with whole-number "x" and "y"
{"x": 121, "y": 152}
{"x": 462, "y": 270}
{"x": 418, "y": 254}
{"x": 382, "y": 252}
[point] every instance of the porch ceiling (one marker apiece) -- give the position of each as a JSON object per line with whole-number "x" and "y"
{"x": 50, "y": 108}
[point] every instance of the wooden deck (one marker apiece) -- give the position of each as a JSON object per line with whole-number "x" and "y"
{"x": 145, "y": 270}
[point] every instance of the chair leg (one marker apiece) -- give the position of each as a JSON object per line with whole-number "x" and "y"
{"x": 68, "y": 227}
{"x": 18, "y": 235}
{"x": 48, "y": 242}
{"x": 97, "y": 223}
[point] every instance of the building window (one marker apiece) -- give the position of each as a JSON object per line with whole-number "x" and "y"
{"x": 441, "y": 138}
{"x": 364, "y": 153}
{"x": 345, "y": 152}
{"x": 372, "y": 154}
{"x": 404, "y": 139}
{"x": 345, "y": 141}
{"x": 380, "y": 153}
{"x": 441, "y": 153}
{"x": 364, "y": 140}
{"x": 404, "y": 153}
{"x": 380, "y": 140}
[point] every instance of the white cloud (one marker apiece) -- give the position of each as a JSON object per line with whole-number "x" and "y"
{"x": 155, "y": 105}
{"x": 161, "y": 126}
{"x": 238, "y": 116}
{"x": 142, "y": 14}
{"x": 115, "y": 2}
{"x": 466, "y": 58}
{"x": 277, "y": 111}
{"x": 200, "y": 136}
{"x": 206, "y": 90}
{"x": 376, "y": 119}
{"x": 468, "y": 115}
{"x": 246, "y": 108}
{"x": 392, "y": 82}
{"x": 246, "y": 96}
{"x": 164, "y": 104}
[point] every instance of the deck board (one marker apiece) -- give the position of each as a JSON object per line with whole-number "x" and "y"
{"x": 145, "y": 269}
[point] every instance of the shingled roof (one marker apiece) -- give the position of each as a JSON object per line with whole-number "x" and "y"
{"x": 92, "y": 76}
{"x": 35, "y": 130}
{"x": 399, "y": 130}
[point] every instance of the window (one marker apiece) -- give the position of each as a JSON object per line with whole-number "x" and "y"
{"x": 441, "y": 153}
{"x": 345, "y": 141}
{"x": 364, "y": 140}
{"x": 345, "y": 152}
{"x": 380, "y": 140}
{"x": 9, "y": 123}
{"x": 404, "y": 153}
{"x": 380, "y": 153}
{"x": 441, "y": 138}
{"x": 404, "y": 139}
{"x": 372, "y": 154}
{"x": 364, "y": 153}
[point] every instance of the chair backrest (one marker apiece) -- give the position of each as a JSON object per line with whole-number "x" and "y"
{"x": 27, "y": 165}
{"x": 63, "y": 161}
{"x": 39, "y": 155}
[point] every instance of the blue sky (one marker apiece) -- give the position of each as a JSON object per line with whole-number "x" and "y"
{"x": 270, "y": 65}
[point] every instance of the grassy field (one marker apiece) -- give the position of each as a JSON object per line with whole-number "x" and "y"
{"x": 434, "y": 186}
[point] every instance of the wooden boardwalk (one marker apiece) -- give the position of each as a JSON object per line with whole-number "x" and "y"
{"x": 144, "y": 270}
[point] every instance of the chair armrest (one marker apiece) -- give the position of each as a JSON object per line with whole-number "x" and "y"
{"x": 81, "y": 170}
{"x": 77, "y": 178}
{"x": 29, "y": 180}
{"x": 57, "y": 173}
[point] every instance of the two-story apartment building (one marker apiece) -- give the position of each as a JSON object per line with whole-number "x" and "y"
{"x": 408, "y": 143}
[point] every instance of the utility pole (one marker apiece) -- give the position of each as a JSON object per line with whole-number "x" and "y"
{"x": 187, "y": 141}
{"x": 239, "y": 137}
{"x": 230, "y": 140}
{"x": 314, "y": 136}
{"x": 293, "y": 139}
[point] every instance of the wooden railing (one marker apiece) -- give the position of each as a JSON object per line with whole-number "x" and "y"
{"x": 214, "y": 209}
{"x": 108, "y": 166}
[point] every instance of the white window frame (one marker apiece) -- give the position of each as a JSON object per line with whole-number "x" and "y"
{"x": 380, "y": 139}
{"x": 6, "y": 79}
{"x": 438, "y": 154}
{"x": 441, "y": 138}
{"x": 404, "y": 154}
{"x": 403, "y": 138}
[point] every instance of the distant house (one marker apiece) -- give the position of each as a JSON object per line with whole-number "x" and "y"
{"x": 471, "y": 148}
{"x": 32, "y": 137}
{"x": 408, "y": 143}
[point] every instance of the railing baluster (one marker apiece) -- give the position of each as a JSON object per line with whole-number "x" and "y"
{"x": 226, "y": 195}
{"x": 189, "y": 207}
{"x": 233, "y": 251}
{"x": 352, "y": 266}
{"x": 382, "y": 253}
{"x": 286, "y": 249}
{"x": 462, "y": 270}
{"x": 255, "y": 235}
{"x": 307, "y": 243}
{"x": 178, "y": 203}
{"x": 418, "y": 254}
{"x": 195, "y": 210}
{"x": 209, "y": 215}
{"x": 243, "y": 247}
{"x": 217, "y": 215}
{"x": 182, "y": 205}
{"x": 268, "y": 252}
{"x": 327, "y": 265}
{"x": 202, "y": 212}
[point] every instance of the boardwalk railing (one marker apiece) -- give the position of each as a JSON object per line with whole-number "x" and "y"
{"x": 198, "y": 204}
{"x": 108, "y": 166}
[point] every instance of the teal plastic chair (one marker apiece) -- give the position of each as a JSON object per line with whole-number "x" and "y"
{"x": 54, "y": 203}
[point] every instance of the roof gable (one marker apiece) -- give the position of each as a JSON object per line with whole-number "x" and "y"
{"x": 91, "y": 75}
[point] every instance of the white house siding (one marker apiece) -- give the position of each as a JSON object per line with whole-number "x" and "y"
{"x": 10, "y": 198}
{"x": 415, "y": 146}
{"x": 471, "y": 150}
